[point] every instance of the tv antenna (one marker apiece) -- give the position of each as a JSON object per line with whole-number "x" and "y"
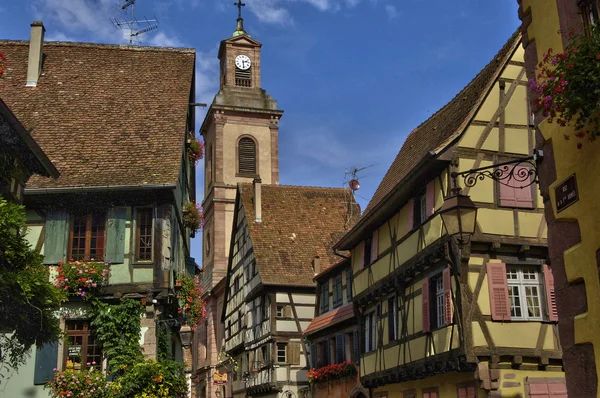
{"x": 132, "y": 28}
{"x": 352, "y": 180}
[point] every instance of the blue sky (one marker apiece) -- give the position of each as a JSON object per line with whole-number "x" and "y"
{"x": 354, "y": 77}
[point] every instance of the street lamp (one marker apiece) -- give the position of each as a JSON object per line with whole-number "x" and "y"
{"x": 185, "y": 334}
{"x": 459, "y": 215}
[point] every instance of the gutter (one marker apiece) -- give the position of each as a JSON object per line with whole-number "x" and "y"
{"x": 372, "y": 215}
{"x": 43, "y": 191}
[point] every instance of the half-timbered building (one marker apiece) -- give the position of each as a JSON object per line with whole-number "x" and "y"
{"x": 436, "y": 321}
{"x": 114, "y": 120}
{"x": 278, "y": 234}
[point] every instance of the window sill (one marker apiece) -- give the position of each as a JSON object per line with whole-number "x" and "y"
{"x": 143, "y": 264}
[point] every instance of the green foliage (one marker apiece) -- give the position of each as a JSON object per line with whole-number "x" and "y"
{"x": 567, "y": 85}
{"x": 87, "y": 384}
{"x": 152, "y": 379}
{"x": 117, "y": 327}
{"x": 27, "y": 299}
{"x": 162, "y": 345}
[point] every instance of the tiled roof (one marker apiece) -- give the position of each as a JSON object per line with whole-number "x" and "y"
{"x": 104, "y": 114}
{"x": 298, "y": 223}
{"x": 330, "y": 318}
{"x": 445, "y": 124}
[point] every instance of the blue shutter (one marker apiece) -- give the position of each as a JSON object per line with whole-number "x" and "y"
{"x": 355, "y": 352}
{"x": 46, "y": 358}
{"x": 339, "y": 348}
{"x": 326, "y": 353}
{"x": 115, "y": 235}
{"x": 56, "y": 236}
{"x": 313, "y": 355}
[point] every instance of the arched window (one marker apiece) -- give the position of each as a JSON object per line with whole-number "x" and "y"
{"x": 247, "y": 156}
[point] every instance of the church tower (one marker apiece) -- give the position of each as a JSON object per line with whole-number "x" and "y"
{"x": 240, "y": 133}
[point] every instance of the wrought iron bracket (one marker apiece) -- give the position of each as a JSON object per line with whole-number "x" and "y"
{"x": 518, "y": 173}
{"x": 172, "y": 322}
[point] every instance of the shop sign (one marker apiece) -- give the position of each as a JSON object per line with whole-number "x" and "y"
{"x": 219, "y": 378}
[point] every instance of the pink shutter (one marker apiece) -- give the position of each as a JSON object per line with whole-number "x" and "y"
{"x": 411, "y": 214}
{"x": 467, "y": 392}
{"x": 430, "y": 198}
{"x": 499, "y": 301}
{"x": 360, "y": 250}
{"x": 523, "y": 195}
{"x": 448, "y": 310}
{"x": 462, "y": 392}
{"x": 427, "y": 395}
{"x": 550, "y": 297}
{"x": 557, "y": 390}
{"x": 539, "y": 390}
{"x": 425, "y": 300}
{"x": 508, "y": 196}
{"x": 375, "y": 246}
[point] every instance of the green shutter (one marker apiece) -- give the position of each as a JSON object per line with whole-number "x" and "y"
{"x": 56, "y": 236}
{"x": 115, "y": 235}
{"x": 46, "y": 358}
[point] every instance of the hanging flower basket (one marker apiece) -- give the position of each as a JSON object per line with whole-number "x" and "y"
{"x": 81, "y": 278}
{"x": 193, "y": 217}
{"x": 567, "y": 85}
{"x": 195, "y": 148}
{"x": 191, "y": 304}
{"x": 332, "y": 372}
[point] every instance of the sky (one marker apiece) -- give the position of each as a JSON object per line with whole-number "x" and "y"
{"x": 354, "y": 77}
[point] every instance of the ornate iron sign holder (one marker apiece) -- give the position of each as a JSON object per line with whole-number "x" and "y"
{"x": 518, "y": 173}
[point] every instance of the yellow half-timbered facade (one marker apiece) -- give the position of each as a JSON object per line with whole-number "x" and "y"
{"x": 436, "y": 321}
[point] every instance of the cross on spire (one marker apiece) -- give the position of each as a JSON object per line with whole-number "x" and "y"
{"x": 239, "y": 5}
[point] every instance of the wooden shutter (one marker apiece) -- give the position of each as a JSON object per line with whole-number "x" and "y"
{"x": 355, "y": 352}
{"x": 252, "y": 364}
{"x": 375, "y": 246}
{"x": 448, "y": 310}
{"x": 550, "y": 296}
{"x": 507, "y": 196}
{"x": 56, "y": 236}
{"x": 430, "y": 198}
{"x": 411, "y": 214}
{"x": 293, "y": 353}
{"x": 313, "y": 355}
{"x": 287, "y": 311}
{"x": 548, "y": 390}
{"x": 326, "y": 352}
{"x": 360, "y": 250}
{"x": 467, "y": 391}
{"x": 115, "y": 235}
{"x": 339, "y": 348}
{"x": 523, "y": 196}
{"x": 46, "y": 359}
{"x": 247, "y": 156}
{"x": 426, "y": 308}
{"x": 499, "y": 301}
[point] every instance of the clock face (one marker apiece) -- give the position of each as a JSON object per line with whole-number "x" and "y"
{"x": 243, "y": 62}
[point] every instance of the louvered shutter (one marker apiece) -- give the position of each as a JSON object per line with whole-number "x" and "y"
{"x": 313, "y": 355}
{"x": 115, "y": 235}
{"x": 448, "y": 310}
{"x": 426, "y": 308}
{"x": 56, "y": 236}
{"x": 360, "y": 250}
{"x": 46, "y": 358}
{"x": 375, "y": 246}
{"x": 430, "y": 198}
{"x": 499, "y": 301}
{"x": 247, "y": 156}
{"x": 355, "y": 351}
{"x": 508, "y": 196}
{"x": 523, "y": 196}
{"x": 550, "y": 296}
{"x": 326, "y": 352}
{"x": 411, "y": 214}
{"x": 339, "y": 348}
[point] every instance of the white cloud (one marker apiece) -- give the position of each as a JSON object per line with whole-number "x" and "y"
{"x": 161, "y": 39}
{"x": 58, "y": 36}
{"x": 391, "y": 11}
{"x": 275, "y": 11}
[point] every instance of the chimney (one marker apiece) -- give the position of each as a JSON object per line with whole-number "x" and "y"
{"x": 34, "y": 63}
{"x": 317, "y": 264}
{"x": 257, "y": 200}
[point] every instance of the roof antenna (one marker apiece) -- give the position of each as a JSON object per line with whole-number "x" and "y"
{"x": 351, "y": 180}
{"x": 132, "y": 28}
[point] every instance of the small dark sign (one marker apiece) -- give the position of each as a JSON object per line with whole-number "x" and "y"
{"x": 566, "y": 193}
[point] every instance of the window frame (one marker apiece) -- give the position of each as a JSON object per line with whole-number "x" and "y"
{"x": 367, "y": 248}
{"x": 590, "y": 14}
{"x": 370, "y": 330}
{"x": 283, "y": 346}
{"x": 338, "y": 293}
{"x": 324, "y": 297}
{"x": 238, "y": 172}
{"x": 393, "y": 318}
{"x": 280, "y": 311}
{"x": 136, "y": 232}
{"x": 349, "y": 285}
{"x": 85, "y": 333}
{"x": 89, "y": 224}
{"x": 420, "y": 208}
{"x": 521, "y": 283}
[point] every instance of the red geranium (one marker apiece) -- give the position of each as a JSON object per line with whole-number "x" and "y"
{"x": 332, "y": 372}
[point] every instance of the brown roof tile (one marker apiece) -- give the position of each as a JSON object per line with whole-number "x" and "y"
{"x": 330, "y": 318}
{"x": 298, "y": 223}
{"x": 104, "y": 114}
{"x": 443, "y": 125}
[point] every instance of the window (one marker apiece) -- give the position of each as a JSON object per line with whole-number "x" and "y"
{"x": 524, "y": 293}
{"x": 236, "y": 284}
{"x": 439, "y": 300}
{"x": 247, "y": 156}
{"x": 265, "y": 357}
{"x": 266, "y": 308}
{"x": 281, "y": 352}
{"x": 325, "y": 297}
{"x": 420, "y": 210}
{"x": 240, "y": 320}
{"x": 521, "y": 195}
{"x": 349, "y": 284}
{"x": 82, "y": 350}
{"x": 393, "y": 318}
{"x": 370, "y": 326}
{"x": 144, "y": 218}
{"x": 466, "y": 390}
{"x": 338, "y": 297}
{"x": 589, "y": 14}
{"x": 367, "y": 250}
{"x": 545, "y": 387}
{"x": 280, "y": 311}
{"x": 87, "y": 236}
{"x": 431, "y": 392}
